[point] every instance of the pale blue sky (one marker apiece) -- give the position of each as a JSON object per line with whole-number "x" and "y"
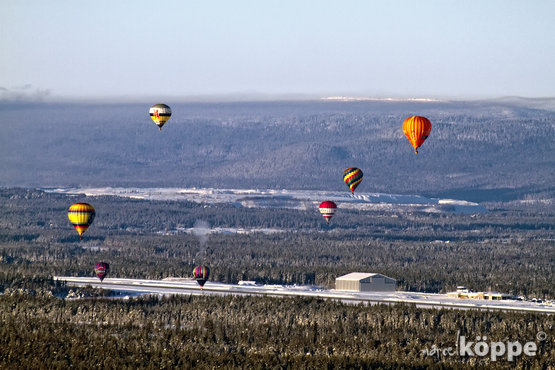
{"x": 389, "y": 48}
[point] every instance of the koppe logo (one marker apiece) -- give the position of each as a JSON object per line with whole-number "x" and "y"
{"x": 480, "y": 347}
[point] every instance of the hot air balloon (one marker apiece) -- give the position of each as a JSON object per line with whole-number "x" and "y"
{"x": 352, "y": 177}
{"x": 417, "y": 129}
{"x": 101, "y": 269}
{"x": 160, "y": 114}
{"x": 81, "y": 215}
{"x": 201, "y": 274}
{"x": 327, "y": 209}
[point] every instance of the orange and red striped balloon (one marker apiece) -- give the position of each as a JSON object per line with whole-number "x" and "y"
{"x": 417, "y": 129}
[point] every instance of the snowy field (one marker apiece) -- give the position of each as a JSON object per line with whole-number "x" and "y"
{"x": 172, "y": 286}
{"x": 293, "y": 199}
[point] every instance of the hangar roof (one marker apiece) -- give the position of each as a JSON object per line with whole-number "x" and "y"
{"x": 360, "y": 276}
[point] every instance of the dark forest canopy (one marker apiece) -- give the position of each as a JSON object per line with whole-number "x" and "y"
{"x": 251, "y": 332}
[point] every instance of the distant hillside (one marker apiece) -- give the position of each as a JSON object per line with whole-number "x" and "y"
{"x": 497, "y": 150}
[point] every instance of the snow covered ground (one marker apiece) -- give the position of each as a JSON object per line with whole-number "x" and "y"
{"x": 224, "y": 230}
{"x": 173, "y": 286}
{"x": 294, "y": 199}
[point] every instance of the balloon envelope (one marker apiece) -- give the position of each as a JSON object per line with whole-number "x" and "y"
{"x": 101, "y": 269}
{"x": 201, "y": 274}
{"x": 81, "y": 215}
{"x": 160, "y": 114}
{"x": 327, "y": 209}
{"x": 417, "y": 129}
{"x": 352, "y": 177}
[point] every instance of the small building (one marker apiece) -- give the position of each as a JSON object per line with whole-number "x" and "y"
{"x": 365, "y": 282}
{"x": 493, "y": 296}
{"x": 463, "y": 293}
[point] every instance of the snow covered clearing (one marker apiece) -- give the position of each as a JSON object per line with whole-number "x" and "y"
{"x": 292, "y": 199}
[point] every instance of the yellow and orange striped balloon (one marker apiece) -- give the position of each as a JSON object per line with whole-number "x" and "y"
{"x": 417, "y": 129}
{"x": 81, "y": 215}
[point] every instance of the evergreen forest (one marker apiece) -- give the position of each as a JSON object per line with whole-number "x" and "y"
{"x": 45, "y": 323}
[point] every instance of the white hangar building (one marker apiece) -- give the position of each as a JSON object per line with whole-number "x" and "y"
{"x": 365, "y": 282}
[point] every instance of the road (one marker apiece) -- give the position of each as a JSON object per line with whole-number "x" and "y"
{"x": 190, "y": 287}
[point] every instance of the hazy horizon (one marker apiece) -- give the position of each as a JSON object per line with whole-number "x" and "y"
{"x": 13, "y": 96}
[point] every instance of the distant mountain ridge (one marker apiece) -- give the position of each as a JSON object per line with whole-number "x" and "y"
{"x": 479, "y": 148}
